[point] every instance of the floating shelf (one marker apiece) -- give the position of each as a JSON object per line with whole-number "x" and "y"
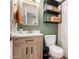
{"x": 52, "y": 12}
{"x": 51, "y": 22}
{"x": 53, "y": 2}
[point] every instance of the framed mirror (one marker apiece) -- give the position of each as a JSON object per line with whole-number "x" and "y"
{"x": 30, "y": 11}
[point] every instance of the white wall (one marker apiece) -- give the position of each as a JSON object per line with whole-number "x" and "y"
{"x": 63, "y": 30}
{"x": 13, "y": 24}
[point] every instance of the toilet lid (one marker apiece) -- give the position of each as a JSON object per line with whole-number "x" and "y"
{"x": 55, "y": 49}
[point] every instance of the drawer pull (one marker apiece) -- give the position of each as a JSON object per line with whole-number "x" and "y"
{"x": 28, "y": 40}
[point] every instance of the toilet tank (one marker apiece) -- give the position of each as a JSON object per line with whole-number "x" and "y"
{"x": 50, "y": 40}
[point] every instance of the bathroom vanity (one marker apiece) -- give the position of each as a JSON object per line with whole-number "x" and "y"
{"x": 28, "y": 47}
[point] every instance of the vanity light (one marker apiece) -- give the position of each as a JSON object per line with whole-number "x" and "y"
{"x": 38, "y": 1}
{"x": 30, "y": 0}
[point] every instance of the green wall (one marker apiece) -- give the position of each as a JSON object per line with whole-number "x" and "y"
{"x": 45, "y": 28}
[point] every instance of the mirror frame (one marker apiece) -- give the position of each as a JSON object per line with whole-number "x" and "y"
{"x": 37, "y": 11}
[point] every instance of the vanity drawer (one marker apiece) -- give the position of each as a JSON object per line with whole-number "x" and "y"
{"x": 34, "y": 39}
{"x": 18, "y": 41}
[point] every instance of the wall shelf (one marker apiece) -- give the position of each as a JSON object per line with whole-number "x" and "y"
{"x": 53, "y": 2}
{"x": 51, "y": 22}
{"x": 52, "y": 12}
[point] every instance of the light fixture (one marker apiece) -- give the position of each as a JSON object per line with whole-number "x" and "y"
{"x": 30, "y": 0}
{"x": 38, "y": 1}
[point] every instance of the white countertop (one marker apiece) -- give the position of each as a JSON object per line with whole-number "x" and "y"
{"x": 25, "y": 34}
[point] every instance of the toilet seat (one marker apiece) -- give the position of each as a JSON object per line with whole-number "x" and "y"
{"x": 55, "y": 51}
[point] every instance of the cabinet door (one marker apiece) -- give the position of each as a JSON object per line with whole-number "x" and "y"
{"x": 33, "y": 51}
{"x": 39, "y": 47}
{"x": 39, "y": 51}
{"x": 36, "y": 49}
{"x": 17, "y": 51}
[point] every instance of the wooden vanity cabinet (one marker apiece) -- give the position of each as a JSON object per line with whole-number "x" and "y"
{"x": 28, "y": 48}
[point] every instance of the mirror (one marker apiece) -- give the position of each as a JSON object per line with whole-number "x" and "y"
{"x": 30, "y": 11}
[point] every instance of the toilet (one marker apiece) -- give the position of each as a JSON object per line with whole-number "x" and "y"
{"x": 54, "y": 51}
